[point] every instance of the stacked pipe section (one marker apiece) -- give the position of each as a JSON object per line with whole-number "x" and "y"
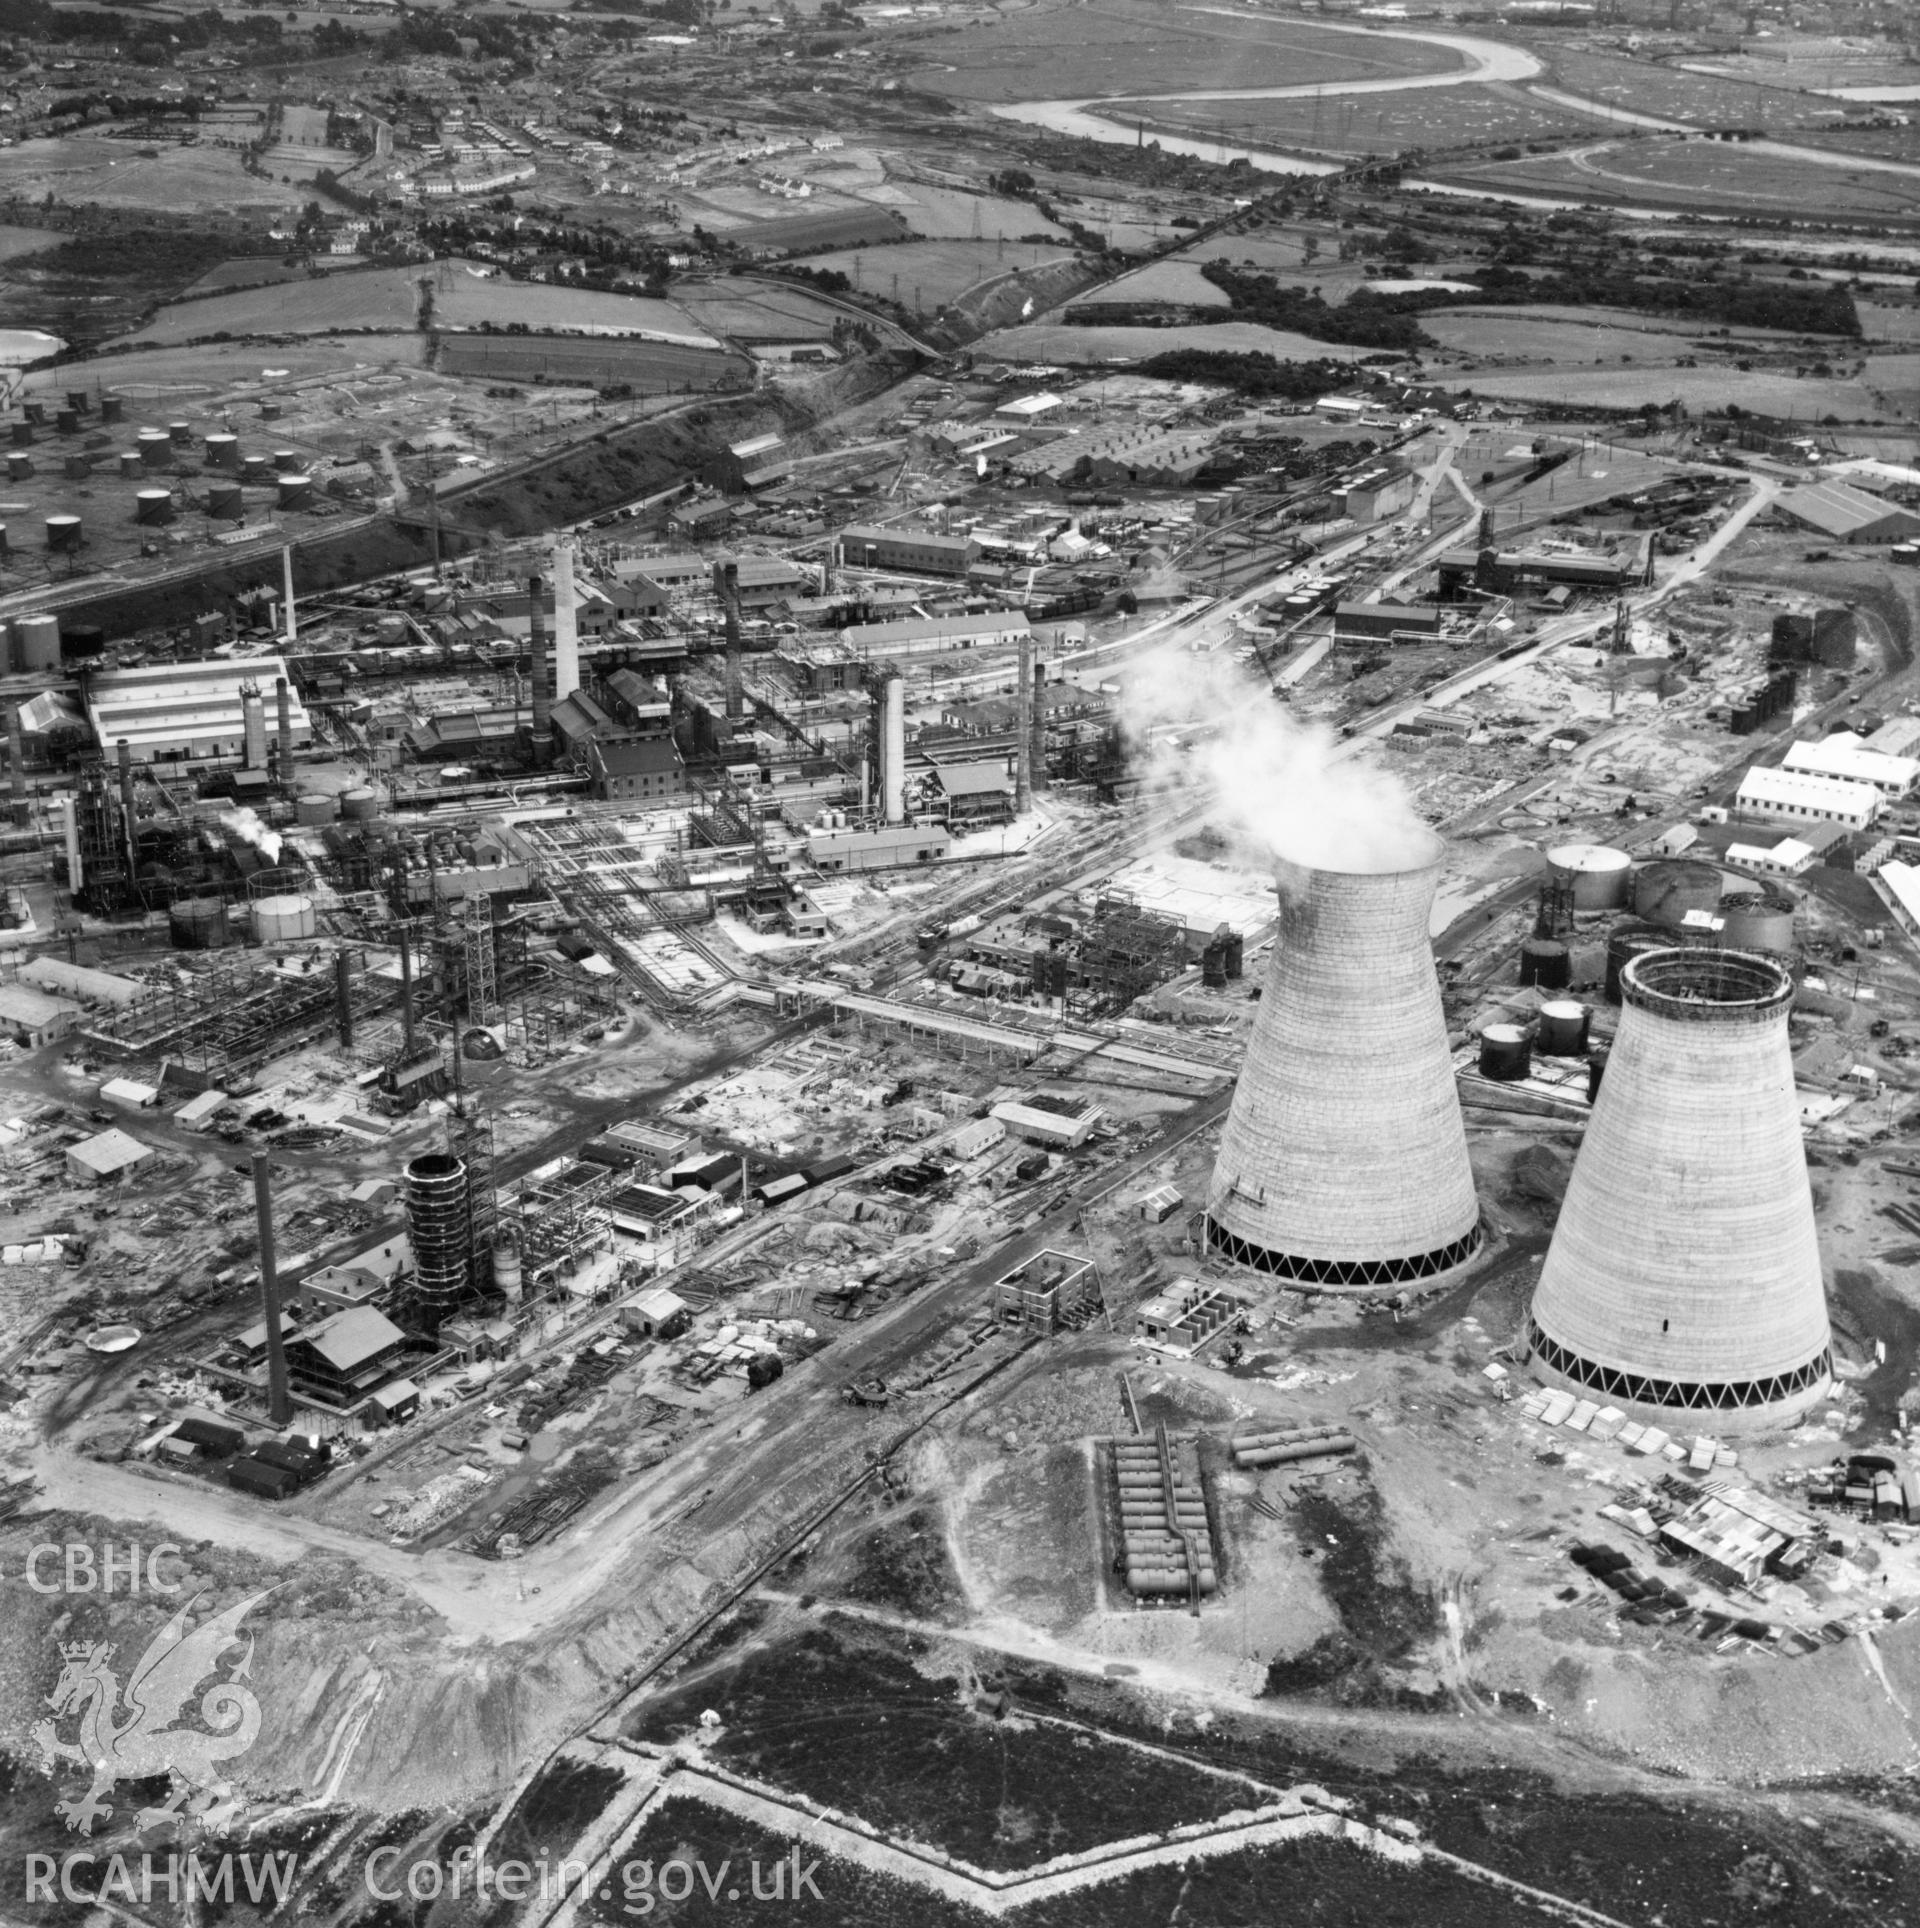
{"x": 1684, "y": 1273}
{"x": 1343, "y": 1164}
{"x": 1283, "y": 1445}
{"x": 1165, "y": 1543}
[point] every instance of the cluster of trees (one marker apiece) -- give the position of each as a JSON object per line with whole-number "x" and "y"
{"x": 150, "y": 39}
{"x": 1363, "y": 320}
{"x": 1251, "y": 374}
{"x": 1801, "y": 308}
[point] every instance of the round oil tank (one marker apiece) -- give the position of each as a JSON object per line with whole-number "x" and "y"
{"x": 153, "y": 505}
{"x": 37, "y": 642}
{"x": 284, "y": 919}
{"x": 1664, "y": 893}
{"x": 1547, "y": 962}
{"x": 199, "y": 924}
{"x": 1505, "y": 1053}
{"x": 1759, "y": 923}
{"x": 285, "y": 460}
{"x": 19, "y": 465}
{"x": 82, "y": 639}
{"x": 155, "y": 449}
{"x": 358, "y": 805}
{"x": 21, "y": 434}
{"x": 256, "y": 468}
{"x": 66, "y": 421}
{"x": 226, "y": 501}
{"x": 311, "y": 810}
{"x": 296, "y": 489}
{"x": 77, "y": 400}
{"x": 180, "y": 434}
{"x": 269, "y": 411}
{"x": 1563, "y": 1029}
{"x": 36, "y": 413}
{"x": 112, "y": 408}
{"x": 78, "y": 467}
{"x": 1627, "y": 943}
{"x": 223, "y": 451}
{"x": 63, "y": 533}
{"x": 130, "y": 464}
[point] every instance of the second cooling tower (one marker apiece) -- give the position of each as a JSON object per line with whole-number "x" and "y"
{"x": 1684, "y": 1274}
{"x": 1343, "y": 1164}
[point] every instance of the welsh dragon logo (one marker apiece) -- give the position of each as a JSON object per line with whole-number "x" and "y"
{"x": 141, "y": 1742}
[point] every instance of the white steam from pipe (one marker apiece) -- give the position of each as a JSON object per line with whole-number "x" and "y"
{"x": 246, "y": 825}
{"x": 1281, "y": 789}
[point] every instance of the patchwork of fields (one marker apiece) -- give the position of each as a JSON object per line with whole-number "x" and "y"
{"x": 926, "y": 275}
{"x": 133, "y": 174}
{"x": 383, "y": 298}
{"x": 1056, "y": 342}
{"x": 462, "y": 299}
{"x": 648, "y": 367}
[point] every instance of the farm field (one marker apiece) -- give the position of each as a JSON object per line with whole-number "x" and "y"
{"x": 1277, "y": 253}
{"x": 1619, "y": 318}
{"x": 260, "y": 271}
{"x": 949, "y": 214}
{"x": 1880, "y": 321}
{"x": 380, "y": 298}
{"x": 1704, "y": 100}
{"x": 15, "y": 242}
{"x": 926, "y": 275}
{"x": 465, "y": 300}
{"x": 1045, "y": 341}
{"x": 756, "y": 311}
{"x": 1166, "y": 281}
{"x": 843, "y": 227}
{"x": 649, "y": 367}
{"x": 1073, "y": 53}
{"x": 214, "y": 367}
{"x": 78, "y": 168}
{"x": 1878, "y": 396}
{"x": 1496, "y": 335}
{"x": 1371, "y": 123}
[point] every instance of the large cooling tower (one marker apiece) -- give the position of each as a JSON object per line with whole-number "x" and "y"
{"x": 1344, "y": 1159}
{"x": 1684, "y": 1276}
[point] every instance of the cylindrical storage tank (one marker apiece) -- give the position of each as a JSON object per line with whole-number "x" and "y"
{"x": 1547, "y": 962}
{"x": 284, "y": 920}
{"x": 311, "y": 810}
{"x": 153, "y": 505}
{"x": 1664, "y": 893}
{"x": 130, "y": 464}
{"x": 155, "y": 449}
{"x": 286, "y": 460}
{"x": 180, "y": 434}
{"x": 1630, "y": 941}
{"x": 256, "y": 468}
{"x": 78, "y": 467}
{"x": 112, "y": 408}
{"x": 1563, "y": 1029}
{"x": 1505, "y": 1053}
{"x": 269, "y": 411}
{"x": 37, "y": 642}
{"x": 296, "y": 489}
{"x": 199, "y": 924}
{"x": 359, "y": 805}
{"x": 225, "y": 502}
{"x": 1762, "y": 922}
{"x": 63, "y": 533}
{"x": 19, "y": 465}
{"x": 66, "y": 421}
{"x": 1684, "y": 1280}
{"x": 1343, "y": 1163}
{"x": 21, "y": 434}
{"x": 506, "y": 1270}
{"x": 82, "y": 639}
{"x": 77, "y": 400}
{"x": 223, "y": 451}
{"x": 35, "y": 412}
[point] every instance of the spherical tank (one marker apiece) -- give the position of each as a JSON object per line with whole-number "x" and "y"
{"x": 315, "y": 809}
{"x": 1563, "y": 1029}
{"x": 1505, "y": 1053}
{"x": 199, "y": 924}
{"x": 1664, "y": 893}
{"x": 1546, "y": 962}
{"x": 283, "y": 920}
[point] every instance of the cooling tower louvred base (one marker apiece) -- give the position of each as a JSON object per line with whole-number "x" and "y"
{"x": 1684, "y": 1274}
{"x": 1343, "y": 1164}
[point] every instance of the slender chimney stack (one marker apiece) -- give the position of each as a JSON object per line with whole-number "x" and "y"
{"x": 1023, "y": 731}
{"x": 279, "y": 1400}
{"x": 1684, "y": 1282}
{"x": 726, "y": 584}
{"x": 17, "y": 767}
{"x": 406, "y": 993}
{"x": 129, "y": 815}
{"x": 541, "y": 672}
{"x": 343, "y": 998}
{"x": 285, "y": 701}
{"x": 893, "y": 750}
{"x": 566, "y": 628}
{"x": 1343, "y": 1164}
{"x": 76, "y": 875}
{"x": 289, "y": 625}
{"x": 1037, "y": 727}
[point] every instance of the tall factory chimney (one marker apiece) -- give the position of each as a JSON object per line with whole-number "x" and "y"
{"x": 406, "y": 994}
{"x": 284, "y": 699}
{"x": 1023, "y": 731}
{"x": 1684, "y": 1280}
{"x": 343, "y": 997}
{"x": 279, "y": 1400}
{"x": 1037, "y": 727}
{"x": 566, "y": 625}
{"x": 893, "y": 750}
{"x": 129, "y": 815}
{"x": 540, "y": 666}
{"x": 76, "y": 875}
{"x": 17, "y": 769}
{"x": 289, "y": 622}
{"x": 726, "y": 585}
{"x": 1343, "y": 1164}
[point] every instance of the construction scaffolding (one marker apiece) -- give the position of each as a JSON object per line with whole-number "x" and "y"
{"x": 481, "y": 989}
{"x": 560, "y": 1221}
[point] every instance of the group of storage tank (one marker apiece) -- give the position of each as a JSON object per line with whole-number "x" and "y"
{"x": 1562, "y": 1030}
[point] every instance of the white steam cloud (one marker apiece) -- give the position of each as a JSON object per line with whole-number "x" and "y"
{"x": 1280, "y": 788}
{"x": 245, "y": 824}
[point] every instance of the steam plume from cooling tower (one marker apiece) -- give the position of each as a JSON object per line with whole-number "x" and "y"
{"x": 1281, "y": 787}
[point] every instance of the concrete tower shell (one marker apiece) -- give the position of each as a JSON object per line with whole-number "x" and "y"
{"x": 1684, "y": 1275}
{"x": 1343, "y": 1164}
